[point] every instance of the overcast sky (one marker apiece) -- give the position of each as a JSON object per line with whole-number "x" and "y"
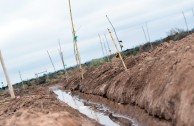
{"x": 28, "y": 28}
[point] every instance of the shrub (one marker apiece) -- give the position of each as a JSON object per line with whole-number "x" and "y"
{"x": 97, "y": 62}
{"x": 176, "y": 34}
{"x": 175, "y": 31}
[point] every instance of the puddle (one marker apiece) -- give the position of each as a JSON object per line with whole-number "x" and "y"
{"x": 95, "y": 111}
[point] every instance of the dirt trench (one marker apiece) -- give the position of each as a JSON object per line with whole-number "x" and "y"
{"x": 160, "y": 82}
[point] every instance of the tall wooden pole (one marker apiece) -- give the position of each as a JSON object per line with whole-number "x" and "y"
{"x": 119, "y": 41}
{"x": 107, "y": 44}
{"x": 144, "y": 34}
{"x": 51, "y": 61}
{"x": 117, "y": 49}
{"x": 10, "y": 87}
{"x": 148, "y": 35}
{"x": 101, "y": 45}
{"x": 21, "y": 79}
{"x": 60, "y": 46}
{"x": 185, "y": 22}
{"x": 62, "y": 58}
{"x": 75, "y": 42}
{"x": 106, "y": 51}
{"x": 63, "y": 63}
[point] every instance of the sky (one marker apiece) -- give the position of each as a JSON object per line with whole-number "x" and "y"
{"x": 28, "y": 28}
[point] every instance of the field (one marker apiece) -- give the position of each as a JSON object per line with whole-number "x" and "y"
{"x": 157, "y": 89}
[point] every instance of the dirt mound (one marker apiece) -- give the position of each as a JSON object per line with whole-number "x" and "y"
{"x": 160, "y": 82}
{"x": 39, "y": 107}
{"x": 33, "y": 118}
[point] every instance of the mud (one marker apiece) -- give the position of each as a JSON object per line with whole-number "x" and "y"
{"x": 94, "y": 110}
{"x": 137, "y": 115}
{"x": 39, "y": 106}
{"x": 160, "y": 82}
{"x": 156, "y": 90}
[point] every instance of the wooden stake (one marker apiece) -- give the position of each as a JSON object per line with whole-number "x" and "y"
{"x": 107, "y": 44}
{"x": 117, "y": 49}
{"x": 101, "y": 45}
{"x": 185, "y": 22}
{"x": 10, "y": 87}
{"x": 75, "y": 42}
{"x": 21, "y": 79}
{"x": 62, "y": 59}
{"x": 51, "y": 61}
{"x": 60, "y": 46}
{"x": 144, "y": 34}
{"x": 66, "y": 74}
{"x": 106, "y": 52}
{"x": 119, "y": 41}
{"x": 149, "y": 36}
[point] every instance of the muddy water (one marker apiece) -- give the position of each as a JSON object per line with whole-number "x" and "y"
{"x": 93, "y": 110}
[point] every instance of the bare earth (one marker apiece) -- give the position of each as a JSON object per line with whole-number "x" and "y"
{"x": 161, "y": 82}
{"x": 157, "y": 89}
{"x": 39, "y": 107}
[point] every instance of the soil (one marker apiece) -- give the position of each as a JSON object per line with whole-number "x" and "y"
{"x": 156, "y": 90}
{"x": 137, "y": 115}
{"x": 39, "y": 106}
{"x": 160, "y": 82}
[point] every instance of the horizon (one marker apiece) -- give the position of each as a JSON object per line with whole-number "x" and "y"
{"x": 30, "y": 29}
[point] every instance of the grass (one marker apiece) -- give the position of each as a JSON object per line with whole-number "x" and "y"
{"x": 98, "y": 62}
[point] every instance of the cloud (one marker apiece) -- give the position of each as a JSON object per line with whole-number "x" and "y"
{"x": 29, "y": 28}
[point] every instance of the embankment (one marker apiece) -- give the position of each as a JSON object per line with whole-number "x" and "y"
{"x": 160, "y": 82}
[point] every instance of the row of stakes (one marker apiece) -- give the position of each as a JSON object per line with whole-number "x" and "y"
{"x": 78, "y": 58}
{"x": 77, "y": 55}
{"x": 76, "y": 45}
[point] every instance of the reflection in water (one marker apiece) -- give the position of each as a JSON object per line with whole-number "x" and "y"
{"x": 78, "y": 104}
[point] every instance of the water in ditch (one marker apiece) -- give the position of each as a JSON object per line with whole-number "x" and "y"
{"x": 101, "y": 113}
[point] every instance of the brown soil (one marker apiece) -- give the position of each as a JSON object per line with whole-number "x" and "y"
{"x": 157, "y": 89}
{"x": 161, "y": 82}
{"x": 138, "y": 115}
{"x": 39, "y": 106}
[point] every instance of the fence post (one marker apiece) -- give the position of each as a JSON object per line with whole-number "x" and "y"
{"x": 10, "y": 87}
